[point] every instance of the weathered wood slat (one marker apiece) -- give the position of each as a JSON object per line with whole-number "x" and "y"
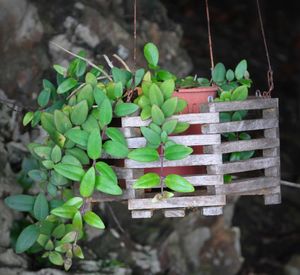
{"x": 250, "y": 104}
{"x": 125, "y": 173}
{"x": 177, "y": 202}
{"x": 243, "y": 166}
{"x": 141, "y": 214}
{"x": 192, "y": 160}
{"x": 242, "y": 145}
{"x": 238, "y": 126}
{"x": 199, "y": 118}
{"x": 244, "y": 186}
{"x": 174, "y": 213}
{"x": 199, "y": 180}
{"x": 265, "y": 191}
{"x": 188, "y": 140}
{"x": 272, "y": 199}
{"x": 212, "y": 211}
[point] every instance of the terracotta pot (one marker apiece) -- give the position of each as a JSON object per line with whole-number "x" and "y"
{"x": 195, "y": 97}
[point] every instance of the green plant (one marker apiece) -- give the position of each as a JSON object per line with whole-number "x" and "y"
{"x": 233, "y": 86}
{"x": 76, "y": 114}
{"x": 158, "y": 105}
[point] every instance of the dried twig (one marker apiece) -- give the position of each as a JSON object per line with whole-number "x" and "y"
{"x": 122, "y": 62}
{"x": 84, "y": 59}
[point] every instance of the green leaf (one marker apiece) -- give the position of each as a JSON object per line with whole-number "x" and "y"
{"x": 165, "y": 75}
{"x": 60, "y": 69}
{"x": 235, "y": 156}
{"x": 169, "y": 126}
{"x": 43, "y": 98}
{"x": 236, "y": 116}
{"x": 78, "y": 252}
{"x": 230, "y": 75}
{"x": 151, "y": 54}
{"x": 56, "y": 154}
{"x": 36, "y": 118}
{"x": 20, "y": 202}
{"x": 57, "y": 179}
{"x": 105, "y": 170}
{"x": 66, "y": 85}
{"x": 27, "y": 118}
{"x": 61, "y": 121}
{"x": 150, "y": 135}
{"x": 86, "y": 93}
{"x": 79, "y": 112}
{"x": 41, "y": 207}
{"x": 225, "y": 117}
{"x": 48, "y": 164}
{"x": 37, "y": 175}
{"x": 155, "y": 95}
{"x": 81, "y": 68}
{"x": 77, "y": 221}
{"x": 59, "y": 231}
{"x": 143, "y": 101}
{"x": 99, "y": 96}
{"x": 227, "y": 178}
{"x": 43, "y": 151}
{"x": 218, "y": 73}
{"x": 225, "y": 96}
{"x": 69, "y": 171}
{"x": 91, "y": 79}
{"x": 176, "y": 152}
{"x": 69, "y": 237}
{"x": 27, "y": 238}
{"x": 90, "y": 124}
{"x": 125, "y": 109}
{"x": 181, "y": 105}
{"x": 168, "y": 87}
{"x": 148, "y": 180}
{"x": 146, "y": 113}
{"x": 115, "y": 149}
{"x": 157, "y": 115}
{"x": 75, "y": 201}
{"x": 105, "y": 113}
{"x": 246, "y": 155}
{"x": 94, "y": 144}
{"x": 120, "y": 75}
{"x": 116, "y": 135}
{"x": 144, "y": 154}
{"x": 244, "y": 136}
{"x": 56, "y": 258}
{"x": 178, "y": 184}
{"x": 241, "y": 69}
{"x": 66, "y": 212}
{"x": 138, "y": 77}
{"x": 169, "y": 106}
{"x": 87, "y": 184}
{"x": 181, "y": 127}
{"x": 240, "y": 93}
{"x": 79, "y": 154}
{"x": 105, "y": 185}
{"x": 93, "y": 219}
{"x": 78, "y": 136}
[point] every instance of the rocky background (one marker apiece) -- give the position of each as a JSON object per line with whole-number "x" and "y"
{"x": 250, "y": 238}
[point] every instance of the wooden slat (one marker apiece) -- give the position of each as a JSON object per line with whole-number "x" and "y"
{"x": 244, "y": 186}
{"x": 201, "y": 180}
{"x": 125, "y": 173}
{"x": 243, "y": 166}
{"x": 130, "y": 132}
{"x": 242, "y": 145}
{"x": 238, "y": 126}
{"x": 250, "y": 104}
{"x": 192, "y": 160}
{"x": 141, "y": 214}
{"x": 212, "y": 211}
{"x": 177, "y": 202}
{"x": 188, "y": 140}
{"x": 272, "y": 199}
{"x": 199, "y": 118}
{"x": 174, "y": 213}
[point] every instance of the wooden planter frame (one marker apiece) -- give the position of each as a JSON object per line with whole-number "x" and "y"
{"x": 211, "y": 192}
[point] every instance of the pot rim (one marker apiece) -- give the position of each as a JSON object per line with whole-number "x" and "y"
{"x": 198, "y": 89}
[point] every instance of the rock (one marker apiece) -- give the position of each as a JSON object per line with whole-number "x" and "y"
{"x": 11, "y": 271}
{"x": 293, "y": 266}
{"x": 10, "y": 259}
{"x": 6, "y": 220}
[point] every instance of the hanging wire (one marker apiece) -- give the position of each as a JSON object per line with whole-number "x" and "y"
{"x": 209, "y": 36}
{"x": 270, "y": 71}
{"x": 134, "y": 35}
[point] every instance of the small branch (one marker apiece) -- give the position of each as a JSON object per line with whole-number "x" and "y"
{"x": 290, "y": 184}
{"x": 161, "y": 169}
{"x": 115, "y": 218}
{"x": 76, "y": 90}
{"x": 109, "y": 63}
{"x": 84, "y": 59}
{"x": 122, "y": 62}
